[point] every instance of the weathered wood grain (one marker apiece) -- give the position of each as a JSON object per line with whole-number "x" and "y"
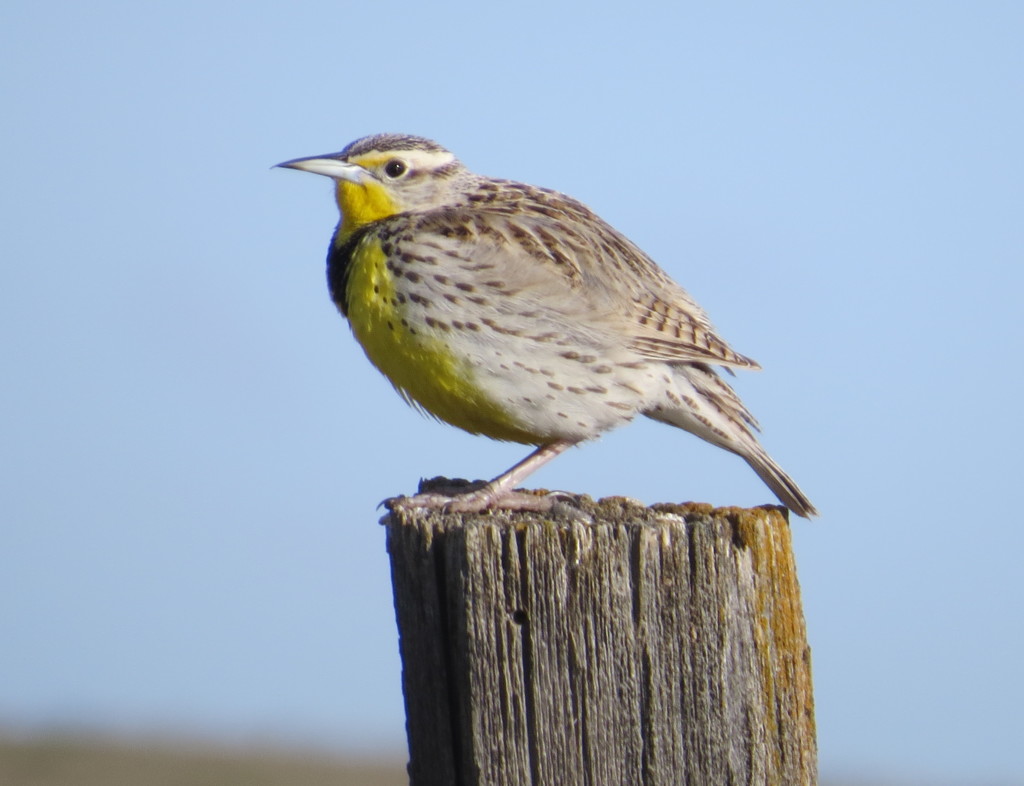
{"x": 602, "y": 643}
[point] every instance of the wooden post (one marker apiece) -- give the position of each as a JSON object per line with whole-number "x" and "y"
{"x": 603, "y": 644}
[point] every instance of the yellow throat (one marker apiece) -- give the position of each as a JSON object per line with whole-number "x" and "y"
{"x": 361, "y": 203}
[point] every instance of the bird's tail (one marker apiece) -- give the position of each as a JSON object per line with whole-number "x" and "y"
{"x": 779, "y": 482}
{"x": 703, "y": 404}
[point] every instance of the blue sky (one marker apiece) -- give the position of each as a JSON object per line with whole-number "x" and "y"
{"x": 192, "y": 447}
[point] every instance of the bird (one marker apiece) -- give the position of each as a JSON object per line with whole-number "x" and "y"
{"x": 515, "y": 312}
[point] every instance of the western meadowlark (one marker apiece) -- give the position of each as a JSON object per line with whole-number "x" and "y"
{"x": 515, "y": 312}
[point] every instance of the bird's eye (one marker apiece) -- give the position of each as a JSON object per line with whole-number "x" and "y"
{"x": 395, "y": 168}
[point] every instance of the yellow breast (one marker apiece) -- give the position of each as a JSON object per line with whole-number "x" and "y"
{"x": 423, "y": 368}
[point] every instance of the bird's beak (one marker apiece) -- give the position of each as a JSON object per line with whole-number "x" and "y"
{"x": 330, "y": 166}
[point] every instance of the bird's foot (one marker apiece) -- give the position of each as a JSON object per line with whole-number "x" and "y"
{"x": 465, "y": 497}
{"x": 471, "y": 502}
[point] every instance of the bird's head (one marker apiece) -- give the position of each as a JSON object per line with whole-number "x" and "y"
{"x": 381, "y": 175}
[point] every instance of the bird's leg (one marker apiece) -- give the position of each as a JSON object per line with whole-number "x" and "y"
{"x": 498, "y": 494}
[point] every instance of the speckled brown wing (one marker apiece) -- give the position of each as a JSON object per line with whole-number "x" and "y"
{"x": 608, "y": 273}
{"x": 665, "y": 323}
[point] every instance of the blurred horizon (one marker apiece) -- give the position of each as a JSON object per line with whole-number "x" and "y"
{"x": 53, "y": 761}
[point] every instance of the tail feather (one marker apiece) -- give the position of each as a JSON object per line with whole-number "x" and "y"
{"x": 782, "y": 484}
{"x": 704, "y": 404}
